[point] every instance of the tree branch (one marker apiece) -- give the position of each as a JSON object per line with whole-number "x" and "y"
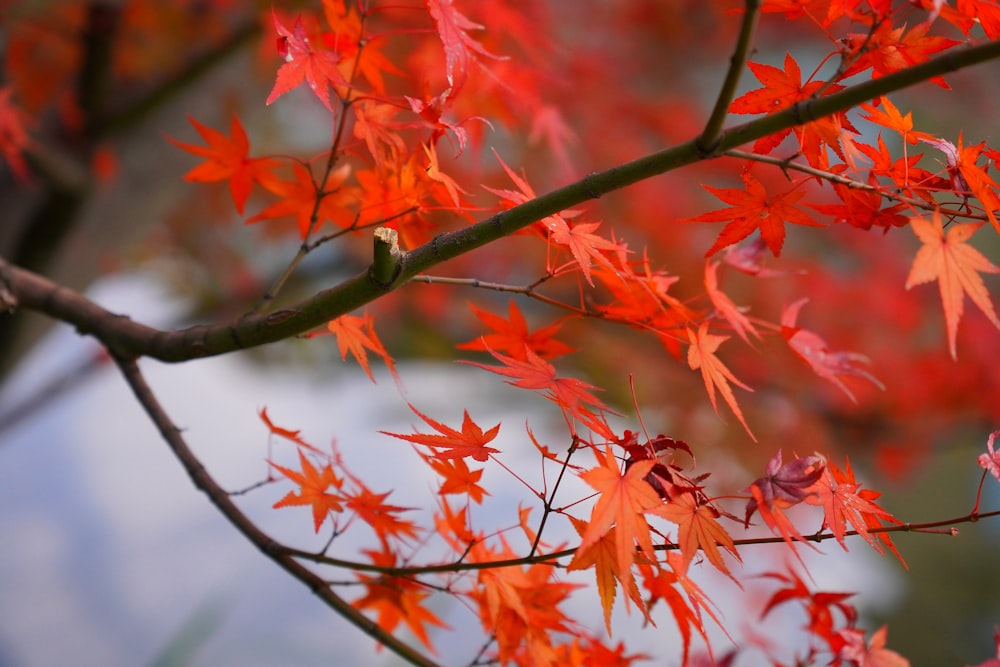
{"x": 128, "y": 338}
{"x": 736, "y": 63}
{"x": 269, "y": 547}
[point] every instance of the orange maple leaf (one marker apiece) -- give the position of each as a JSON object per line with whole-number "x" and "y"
{"x": 572, "y": 395}
{"x": 397, "y": 599}
{"x": 623, "y": 500}
{"x": 471, "y": 441}
{"x": 955, "y": 264}
{"x": 458, "y": 478}
{"x": 356, "y": 334}
{"x": 511, "y": 335}
{"x": 314, "y": 489}
{"x": 698, "y": 528}
{"x": 227, "y": 158}
{"x": 701, "y": 355}
{"x": 752, "y": 209}
{"x": 288, "y": 434}
{"x": 298, "y": 197}
{"x": 603, "y": 557}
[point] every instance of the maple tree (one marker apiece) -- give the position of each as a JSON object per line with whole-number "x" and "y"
{"x": 516, "y": 196}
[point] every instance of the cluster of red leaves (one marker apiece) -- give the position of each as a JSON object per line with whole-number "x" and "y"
{"x": 645, "y": 502}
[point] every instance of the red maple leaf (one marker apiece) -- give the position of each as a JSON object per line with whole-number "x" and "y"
{"x": 813, "y": 350}
{"x": 724, "y": 305}
{"x": 753, "y": 209}
{"x": 303, "y": 63}
{"x": 13, "y": 134}
{"x": 572, "y": 395}
{"x": 888, "y": 50}
{"x": 511, "y": 336}
{"x": 371, "y": 508}
{"x": 459, "y": 47}
{"x": 844, "y": 503}
{"x": 314, "y": 489}
{"x": 956, "y": 265}
{"x": 470, "y": 441}
{"x": 227, "y": 158}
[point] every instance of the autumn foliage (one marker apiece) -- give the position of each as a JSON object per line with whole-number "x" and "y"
{"x": 789, "y": 304}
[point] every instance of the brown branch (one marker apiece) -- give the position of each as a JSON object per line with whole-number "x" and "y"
{"x": 130, "y": 339}
{"x": 283, "y": 557}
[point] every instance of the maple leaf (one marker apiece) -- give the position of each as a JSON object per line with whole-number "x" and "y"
{"x": 875, "y": 654}
{"x": 435, "y": 174}
{"x": 698, "y": 528}
{"x": 471, "y": 441}
{"x": 956, "y": 265}
{"x": 459, "y": 47}
{"x": 572, "y": 395}
{"x": 787, "y": 483}
{"x": 888, "y": 50}
{"x": 371, "y": 508}
{"x": 889, "y": 116}
{"x": 584, "y": 245}
{"x": 813, "y": 350}
{"x": 304, "y": 64}
{"x": 753, "y": 209}
{"x": 314, "y": 489}
{"x": 701, "y": 355}
{"x": 511, "y": 336}
{"x": 374, "y": 125}
{"x": 845, "y": 503}
{"x": 603, "y": 557}
{"x": 298, "y": 198}
{"x": 781, "y": 88}
{"x": 784, "y": 485}
{"x": 458, "y": 478}
{"x": 396, "y": 599}
{"x": 724, "y": 305}
{"x": 991, "y": 460}
{"x": 662, "y": 585}
{"x": 286, "y": 433}
{"x": 356, "y": 334}
{"x": 819, "y": 605}
{"x": 521, "y": 608}
{"x": 227, "y": 158}
{"x": 967, "y": 177}
{"x": 623, "y": 500}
